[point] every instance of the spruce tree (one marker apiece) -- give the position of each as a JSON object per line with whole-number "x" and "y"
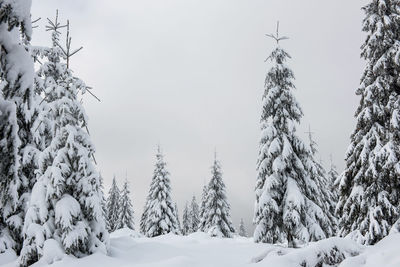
{"x": 65, "y": 204}
{"x": 126, "y": 214}
{"x": 17, "y": 87}
{"x": 113, "y": 206}
{"x": 203, "y": 208}
{"x": 369, "y": 187}
{"x": 186, "y": 226}
{"x": 143, "y": 218}
{"x": 177, "y": 218}
{"x": 217, "y": 210}
{"x": 9, "y": 166}
{"x": 322, "y": 195}
{"x": 194, "y": 215}
{"x": 333, "y": 179}
{"x": 160, "y": 215}
{"x": 242, "y": 229}
{"x": 286, "y": 209}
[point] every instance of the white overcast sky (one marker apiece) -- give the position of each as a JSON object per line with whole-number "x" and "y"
{"x": 189, "y": 75}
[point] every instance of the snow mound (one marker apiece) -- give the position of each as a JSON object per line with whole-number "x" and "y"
{"x": 124, "y": 232}
{"x": 7, "y": 257}
{"x": 327, "y": 252}
{"x": 52, "y": 252}
{"x": 384, "y": 253}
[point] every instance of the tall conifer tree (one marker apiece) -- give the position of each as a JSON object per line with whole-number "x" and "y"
{"x": 17, "y": 87}
{"x": 65, "y": 205}
{"x": 369, "y": 188}
{"x": 286, "y": 209}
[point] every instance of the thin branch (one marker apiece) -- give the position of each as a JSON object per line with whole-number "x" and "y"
{"x": 276, "y": 37}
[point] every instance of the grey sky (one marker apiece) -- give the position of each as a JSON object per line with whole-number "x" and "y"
{"x": 189, "y": 75}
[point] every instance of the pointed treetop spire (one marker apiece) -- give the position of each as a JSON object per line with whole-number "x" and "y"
{"x": 54, "y": 26}
{"x": 158, "y": 148}
{"x": 276, "y": 36}
{"x": 310, "y": 134}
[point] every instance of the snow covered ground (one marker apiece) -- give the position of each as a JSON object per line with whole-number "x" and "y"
{"x": 129, "y": 249}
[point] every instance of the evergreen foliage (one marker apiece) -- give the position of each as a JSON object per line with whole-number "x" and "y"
{"x": 369, "y": 187}
{"x": 186, "y": 220}
{"x": 126, "y": 214}
{"x": 194, "y": 216}
{"x": 217, "y": 210}
{"x": 287, "y": 207}
{"x": 177, "y": 218}
{"x": 160, "y": 215}
{"x": 242, "y": 229}
{"x": 203, "y": 208}
{"x": 17, "y": 88}
{"x": 323, "y": 197}
{"x": 65, "y": 205}
{"x": 113, "y": 206}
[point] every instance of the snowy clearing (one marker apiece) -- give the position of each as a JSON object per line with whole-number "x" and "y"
{"x": 131, "y": 249}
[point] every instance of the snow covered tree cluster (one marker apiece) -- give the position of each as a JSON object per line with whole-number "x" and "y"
{"x": 297, "y": 200}
{"x": 50, "y": 189}
{"x": 160, "y": 216}
{"x": 191, "y": 217}
{"x": 119, "y": 209}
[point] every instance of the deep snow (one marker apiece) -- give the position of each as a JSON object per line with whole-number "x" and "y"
{"x": 129, "y": 248}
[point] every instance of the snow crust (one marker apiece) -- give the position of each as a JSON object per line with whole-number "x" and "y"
{"x": 129, "y": 248}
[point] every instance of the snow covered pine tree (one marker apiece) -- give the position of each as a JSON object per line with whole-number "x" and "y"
{"x": 160, "y": 215}
{"x": 194, "y": 215}
{"x": 65, "y": 206}
{"x": 113, "y": 206}
{"x": 333, "y": 180}
{"x": 9, "y": 165}
{"x": 17, "y": 87}
{"x": 284, "y": 207}
{"x": 126, "y": 213}
{"x": 322, "y": 195}
{"x": 217, "y": 210}
{"x": 177, "y": 218}
{"x": 186, "y": 221}
{"x": 369, "y": 187}
{"x": 242, "y": 229}
{"x": 203, "y": 208}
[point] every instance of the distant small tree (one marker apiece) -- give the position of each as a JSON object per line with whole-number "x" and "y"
{"x": 177, "y": 218}
{"x": 333, "y": 180}
{"x": 203, "y": 209}
{"x": 242, "y": 229}
{"x": 126, "y": 215}
{"x": 217, "y": 210}
{"x": 113, "y": 206}
{"x": 186, "y": 227}
{"x": 194, "y": 215}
